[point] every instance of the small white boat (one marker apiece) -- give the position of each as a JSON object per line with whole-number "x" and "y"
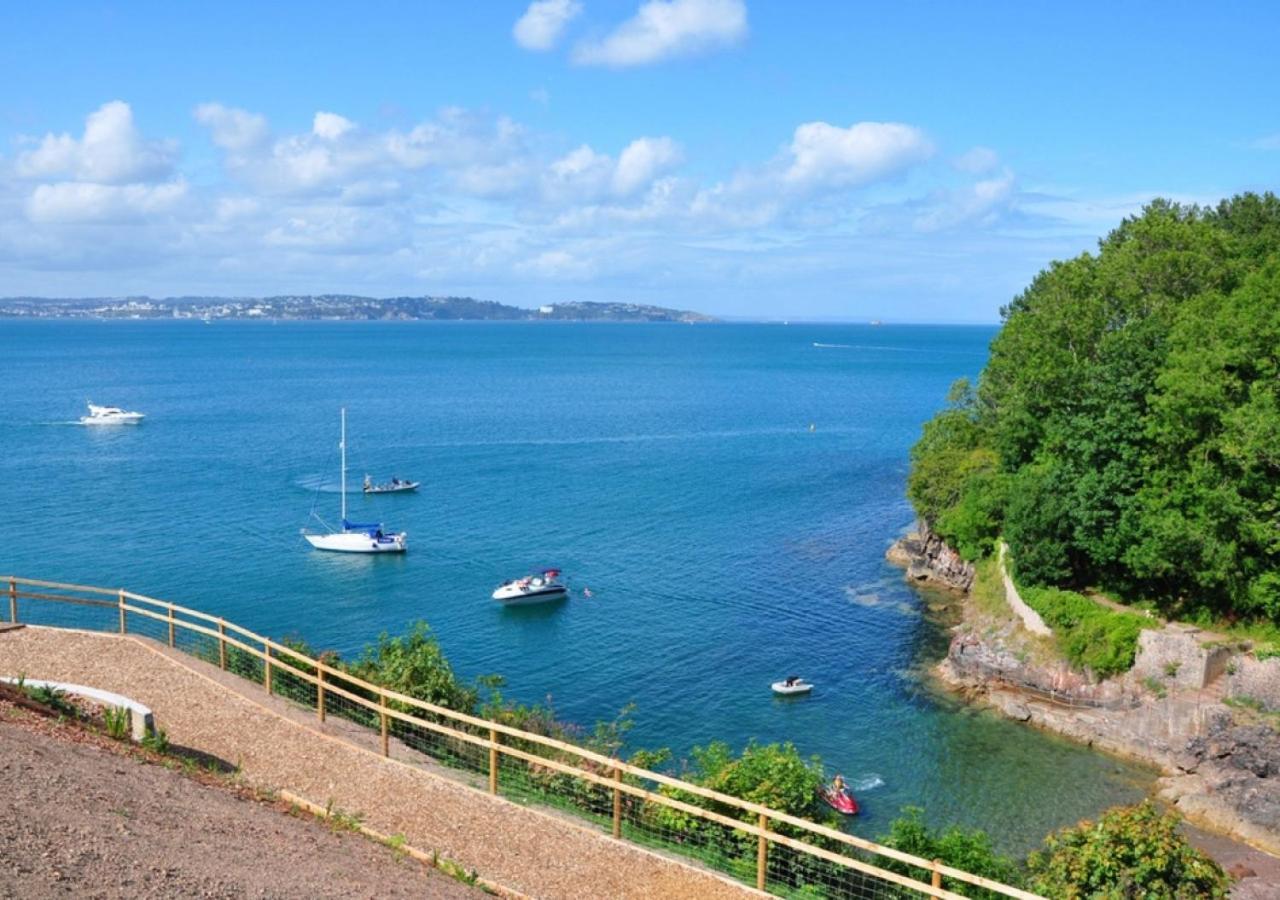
{"x": 394, "y": 486}
{"x": 110, "y": 415}
{"x": 792, "y": 685}
{"x": 356, "y": 537}
{"x": 538, "y": 588}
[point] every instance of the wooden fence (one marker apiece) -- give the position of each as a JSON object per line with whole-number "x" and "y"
{"x": 792, "y": 855}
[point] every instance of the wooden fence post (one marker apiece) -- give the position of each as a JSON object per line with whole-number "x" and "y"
{"x": 13, "y": 601}
{"x": 762, "y": 855}
{"x": 121, "y": 604}
{"x": 171, "y": 641}
{"x": 382, "y": 700}
{"x": 937, "y": 875}
{"x": 493, "y": 760}
{"x": 222, "y": 644}
{"x": 617, "y": 804}
{"x": 320, "y": 693}
{"x": 266, "y": 662}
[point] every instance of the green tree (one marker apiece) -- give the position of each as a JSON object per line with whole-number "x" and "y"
{"x": 1131, "y": 852}
{"x": 970, "y": 851}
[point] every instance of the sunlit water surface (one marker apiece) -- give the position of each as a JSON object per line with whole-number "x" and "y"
{"x": 726, "y": 492}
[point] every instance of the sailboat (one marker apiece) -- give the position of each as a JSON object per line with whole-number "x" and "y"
{"x": 355, "y": 537}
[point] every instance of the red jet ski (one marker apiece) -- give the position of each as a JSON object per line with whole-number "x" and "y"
{"x": 842, "y": 801}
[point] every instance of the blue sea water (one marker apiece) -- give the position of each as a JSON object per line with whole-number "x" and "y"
{"x": 726, "y": 492}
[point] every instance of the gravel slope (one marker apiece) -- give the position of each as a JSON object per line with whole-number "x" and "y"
{"x": 84, "y": 819}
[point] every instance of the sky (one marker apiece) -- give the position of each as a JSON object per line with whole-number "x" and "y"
{"x": 902, "y": 161}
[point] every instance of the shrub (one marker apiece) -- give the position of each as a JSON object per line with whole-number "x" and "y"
{"x": 1104, "y": 640}
{"x": 1132, "y": 851}
{"x": 971, "y": 851}
{"x": 116, "y": 720}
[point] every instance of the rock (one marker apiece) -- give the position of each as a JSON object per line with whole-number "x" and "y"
{"x": 927, "y": 557}
{"x": 1240, "y": 871}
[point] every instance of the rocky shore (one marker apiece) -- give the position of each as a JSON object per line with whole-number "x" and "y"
{"x": 1203, "y": 710}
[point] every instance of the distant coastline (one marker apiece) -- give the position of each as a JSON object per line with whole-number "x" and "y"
{"x": 344, "y": 307}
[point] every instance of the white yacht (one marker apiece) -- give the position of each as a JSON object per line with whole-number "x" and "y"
{"x": 537, "y": 588}
{"x": 110, "y": 415}
{"x": 355, "y": 537}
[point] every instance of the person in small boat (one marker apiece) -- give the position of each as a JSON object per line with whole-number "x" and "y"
{"x": 368, "y": 483}
{"x": 792, "y": 680}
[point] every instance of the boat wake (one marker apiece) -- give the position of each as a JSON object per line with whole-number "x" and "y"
{"x": 822, "y": 346}
{"x": 866, "y": 783}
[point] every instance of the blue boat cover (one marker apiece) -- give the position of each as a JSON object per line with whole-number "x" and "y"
{"x": 360, "y": 526}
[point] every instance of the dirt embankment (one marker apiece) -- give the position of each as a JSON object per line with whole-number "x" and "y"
{"x": 85, "y": 818}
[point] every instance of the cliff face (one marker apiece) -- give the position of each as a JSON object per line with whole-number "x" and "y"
{"x": 927, "y": 558}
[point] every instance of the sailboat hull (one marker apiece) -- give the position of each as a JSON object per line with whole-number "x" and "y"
{"x": 357, "y": 542}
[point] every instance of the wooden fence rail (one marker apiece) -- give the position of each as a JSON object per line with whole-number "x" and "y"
{"x": 615, "y": 778}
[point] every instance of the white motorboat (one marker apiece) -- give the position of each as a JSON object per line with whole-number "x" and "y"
{"x": 537, "y": 588}
{"x": 110, "y": 415}
{"x": 355, "y": 537}
{"x": 394, "y": 486}
{"x": 793, "y": 684}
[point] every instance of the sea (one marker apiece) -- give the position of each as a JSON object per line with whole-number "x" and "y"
{"x": 719, "y": 497}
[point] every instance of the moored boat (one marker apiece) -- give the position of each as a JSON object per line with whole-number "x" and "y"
{"x": 110, "y": 415}
{"x": 356, "y": 537}
{"x": 793, "y": 684}
{"x": 394, "y": 486}
{"x": 537, "y": 588}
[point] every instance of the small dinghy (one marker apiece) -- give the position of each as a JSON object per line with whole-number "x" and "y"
{"x": 394, "y": 486}
{"x": 839, "y": 797}
{"x": 792, "y": 684}
{"x": 538, "y": 588}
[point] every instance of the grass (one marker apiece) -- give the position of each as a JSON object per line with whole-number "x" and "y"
{"x": 116, "y": 721}
{"x": 1091, "y": 636}
{"x": 987, "y": 590}
{"x": 1154, "y": 686}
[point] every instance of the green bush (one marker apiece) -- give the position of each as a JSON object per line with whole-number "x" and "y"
{"x": 957, "y": 847}
{"x": 1090, "y": 635}
{"x": 1130, "y": 852}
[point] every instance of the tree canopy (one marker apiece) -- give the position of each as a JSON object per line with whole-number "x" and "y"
{"x": 1126, "y": 429}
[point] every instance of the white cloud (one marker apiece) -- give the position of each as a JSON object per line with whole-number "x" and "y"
{"x": 978, "y": 161}
{"x": 980, "y": 203}
{"x": 331, "y": 126}
{"x": 1267, "y": 142}
{"x": 111, "y": 151}
{"x": 232, "y": 129}
{"x": 825, "y": 155}
{"x": 543, "y": 22}
{"x": 82, "y": 201}
{"x": 662, "y": 29}
{"x": 642, "y": 161}
{"x": 585, "y": 176}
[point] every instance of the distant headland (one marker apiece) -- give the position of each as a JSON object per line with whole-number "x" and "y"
{"x": 334, "y": 306}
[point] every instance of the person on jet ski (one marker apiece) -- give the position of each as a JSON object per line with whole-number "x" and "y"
{"x": 837, "y": 784}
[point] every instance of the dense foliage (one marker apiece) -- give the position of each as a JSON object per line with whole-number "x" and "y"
{"x": 970, "y": 851}
{"x": 1132, "y": 851}
{"x": 1126, "y": 429}
{"x": 1091, "y": 635}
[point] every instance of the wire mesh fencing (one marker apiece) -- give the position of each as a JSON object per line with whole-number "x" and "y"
{"x": 766, "y": 848}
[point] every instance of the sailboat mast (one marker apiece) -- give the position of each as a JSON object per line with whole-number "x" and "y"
{"x": 343, "y": 446}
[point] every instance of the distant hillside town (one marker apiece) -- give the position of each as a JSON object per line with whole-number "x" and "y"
{"x": 333, "y": 306}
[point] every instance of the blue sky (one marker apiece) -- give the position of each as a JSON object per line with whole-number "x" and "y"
{"x": 901, "y": 161}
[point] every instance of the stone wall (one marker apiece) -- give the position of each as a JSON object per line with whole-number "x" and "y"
{"x": 1257, "y": 679}
{"x": 1030, "y": 618}
{"x": 1175, "y": 657}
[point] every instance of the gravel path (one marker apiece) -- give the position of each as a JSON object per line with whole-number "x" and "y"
{"x": 84, "y": 819}
{"x": 279, "y": 747}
